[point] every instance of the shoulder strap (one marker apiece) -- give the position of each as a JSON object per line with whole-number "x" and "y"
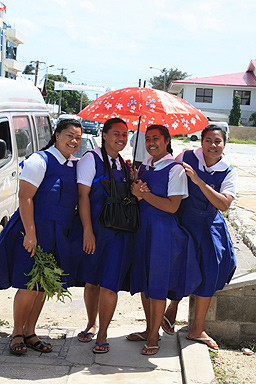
{"x": 44, "y": 156}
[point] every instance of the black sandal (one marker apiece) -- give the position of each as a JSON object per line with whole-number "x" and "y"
{"x": 21, "y": 345}
{"x": 38, "y": 345}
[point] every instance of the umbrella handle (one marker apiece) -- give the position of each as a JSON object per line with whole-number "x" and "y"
{"x": 136, "y": 143}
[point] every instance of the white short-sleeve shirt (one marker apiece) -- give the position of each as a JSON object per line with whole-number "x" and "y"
{"x": 228, "y": 185}
{"x": 86, "y": 168}
{"x": 177, "y": 184}
{"x": 35, "y": 166}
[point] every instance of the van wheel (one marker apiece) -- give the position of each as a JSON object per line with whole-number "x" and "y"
{"x": 193, "y": 138}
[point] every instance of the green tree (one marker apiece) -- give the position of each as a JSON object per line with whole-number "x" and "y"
{"x": 235, "y": 112}
{"x": 253, "y": 119}
{"x": 29, "y": 70}
{"x": 70, "y": 100}
{"x": 157, "y": 82}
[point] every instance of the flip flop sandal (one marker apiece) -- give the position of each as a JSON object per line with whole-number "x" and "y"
{"x": 100, "y": 350}
{"x": 155, "y": 347}
{"x": 21, "y": 345}
{"x": 203, "y": 340}
{"x": 170, "y": 325}
{"x": 139, "y": 337}
{"x": 85, "y": 335}
{"x": 38, "y": 345}
{"x": 136, "y": 334}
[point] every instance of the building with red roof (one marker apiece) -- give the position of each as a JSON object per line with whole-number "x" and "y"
{"x": 214, "y": 95}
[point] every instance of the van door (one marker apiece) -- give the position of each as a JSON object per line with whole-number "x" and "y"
{"x": 43, "y": 129}
{"x": 8, "y": 174}
{"x": 24, "y": 139}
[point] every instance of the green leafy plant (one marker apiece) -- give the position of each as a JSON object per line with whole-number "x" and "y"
{"x": 253, "y": 118}
{"x": 235, "y": 112}
{"x": 47, "y": 275}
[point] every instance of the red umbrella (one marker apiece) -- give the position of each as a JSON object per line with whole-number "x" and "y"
{"x": 141, "y": 107}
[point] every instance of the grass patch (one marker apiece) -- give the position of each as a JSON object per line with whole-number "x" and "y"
{"x": 4, "y": 322}
{"x": 252, "y": 270}
{"x": 181, "y": 138}
{"x": 236, "y": 141}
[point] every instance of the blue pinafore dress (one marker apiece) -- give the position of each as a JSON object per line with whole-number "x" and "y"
{"x": 54, "y": 208}
{"x": 215, "y": 251}
{"x": 109, "y": 265}
{"x": 165, "y": 258}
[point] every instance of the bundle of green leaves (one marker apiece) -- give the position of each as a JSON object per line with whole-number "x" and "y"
{"x": 47, "y": 275}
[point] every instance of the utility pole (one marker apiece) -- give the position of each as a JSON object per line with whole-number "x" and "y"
{"x": 81, "y": 101}
{"x": 163, "y": 71}
{"x": 62, "y": 71}
{"x": 36, "y": 68}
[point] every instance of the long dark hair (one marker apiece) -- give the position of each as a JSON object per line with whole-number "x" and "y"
{"x": 61, "y": 126}
{"x": 107, "y": 126}
{"x": 165, "y": 133}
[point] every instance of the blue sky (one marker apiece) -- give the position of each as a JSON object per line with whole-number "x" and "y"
{"x": 114, "y": 42}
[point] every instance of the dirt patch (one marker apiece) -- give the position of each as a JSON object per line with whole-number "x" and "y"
{"x": 231, "y": 366}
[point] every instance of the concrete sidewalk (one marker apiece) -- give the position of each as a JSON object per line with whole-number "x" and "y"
{"x": 73, "y": 362}
{"x": 179, "y": 361}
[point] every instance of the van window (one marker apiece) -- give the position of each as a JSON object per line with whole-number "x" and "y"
{"x": 23, "y": 136}
{"x": 44, "y": 130}
{"x": 5, "y": 135}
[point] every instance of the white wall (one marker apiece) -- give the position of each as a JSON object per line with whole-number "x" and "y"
{"x": 222, "y": 99}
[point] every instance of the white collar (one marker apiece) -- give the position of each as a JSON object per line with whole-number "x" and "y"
{"x": 160, "y": 164}
{"x": 98, "y": 151}
{"x": 222, "y": 164}
{"x": 61, "y": 159}
{"x": 149, "y": 159}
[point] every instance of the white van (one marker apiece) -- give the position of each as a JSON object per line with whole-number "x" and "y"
{"x": 25, "y": 127}
{"x": 70, "y": 116}
{"x": 197, "y": 135}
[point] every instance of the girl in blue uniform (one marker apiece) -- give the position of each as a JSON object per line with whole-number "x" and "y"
{"x": 212, "y": 182}
{"x": 47, "y": 199}
{"x": 164, "y": 252}
{"x": 107, "y": 256}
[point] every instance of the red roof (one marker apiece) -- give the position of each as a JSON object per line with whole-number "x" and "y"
{"x": 242, "y": 79}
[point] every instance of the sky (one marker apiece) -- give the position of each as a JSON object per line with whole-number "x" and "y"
{"x": 112, "y": 43}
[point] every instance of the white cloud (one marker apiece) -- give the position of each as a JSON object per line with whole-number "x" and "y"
{"x": 88, "y": 5}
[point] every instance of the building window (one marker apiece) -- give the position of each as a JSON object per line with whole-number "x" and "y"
{"x": 245, "y": 97}
{"x": 204, "y": 95}
{"x": 11, "y": 51}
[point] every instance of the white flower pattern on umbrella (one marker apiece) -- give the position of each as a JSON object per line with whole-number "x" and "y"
{"x": 153, "y": 107}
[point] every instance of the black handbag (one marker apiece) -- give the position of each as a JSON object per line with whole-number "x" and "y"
{"x": 120, "y": 210}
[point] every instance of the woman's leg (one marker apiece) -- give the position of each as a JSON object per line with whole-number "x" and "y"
{"x": 107, "y": 306}
{"x": 138, "y": 336}
{"x": 91, "y": 300}
{"x": 157, "y": 308}
{"x": 170, "y": 314}
{"x": 22, "y": 305}
{"x": 30, "y": 324}
{"x": 197, "y": 329}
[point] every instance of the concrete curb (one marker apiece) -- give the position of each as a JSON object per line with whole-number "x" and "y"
{"x": 196, "y": 363}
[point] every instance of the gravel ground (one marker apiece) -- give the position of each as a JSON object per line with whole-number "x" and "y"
{"x": 233, "y": 367}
